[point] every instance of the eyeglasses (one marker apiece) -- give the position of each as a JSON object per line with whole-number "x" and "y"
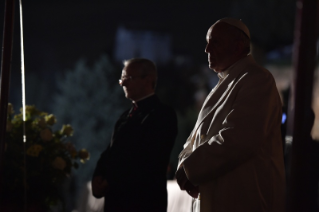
{"x": 128, "y": 78}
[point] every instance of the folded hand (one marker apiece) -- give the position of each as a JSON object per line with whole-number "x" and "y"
{"x": 185, "y": 184}
{"x": 99, "y": 186}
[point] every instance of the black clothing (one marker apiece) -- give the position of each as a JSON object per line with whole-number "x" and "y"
{"x": 135, "y": 162}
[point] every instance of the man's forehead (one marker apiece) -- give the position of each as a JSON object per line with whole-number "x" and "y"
{"x": 209, "y": 33}
{"x": 212, "y": 31}
{"x": 130, "y": 69}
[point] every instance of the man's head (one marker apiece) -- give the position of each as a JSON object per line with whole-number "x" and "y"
{"x": 228, "y": 40}
{"x": 138, "y": 78}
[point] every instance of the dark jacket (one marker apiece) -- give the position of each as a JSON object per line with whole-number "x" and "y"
{"x": 135, "y": 162}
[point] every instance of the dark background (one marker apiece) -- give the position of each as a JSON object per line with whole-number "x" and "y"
{"x": 58, "y": 34}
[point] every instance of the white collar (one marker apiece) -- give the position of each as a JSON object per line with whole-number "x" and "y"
{"x": 223, "y": 74}
{"x": 151, "y": 94}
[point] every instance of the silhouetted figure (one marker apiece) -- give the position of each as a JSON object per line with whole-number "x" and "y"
{"x": 131, "y": 173}
{"x": 233, "y": 159}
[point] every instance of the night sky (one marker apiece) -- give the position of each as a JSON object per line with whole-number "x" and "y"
{"x": 58, "y": 33}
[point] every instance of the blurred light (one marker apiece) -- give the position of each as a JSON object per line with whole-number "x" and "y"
{"x": 299, "y": 5}
{"x": 284, "y": 117}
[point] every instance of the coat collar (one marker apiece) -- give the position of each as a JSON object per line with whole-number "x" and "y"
{"x": 237, "y": 67}
{"x": 219, "y": 92}
{"x": 148, "y": 102}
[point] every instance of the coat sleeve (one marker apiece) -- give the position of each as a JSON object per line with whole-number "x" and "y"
{"x": 256, "y": 108}
{"x": 159, "y": 136}
{"x": 102, "y": 165}
{"x": 100, "y": 169}
{"x": 188, "y": 147}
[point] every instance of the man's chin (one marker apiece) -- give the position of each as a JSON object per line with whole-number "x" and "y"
{"x": 127, "y": 96}
{"x": 210, "y": 66}
{"x": 213, "y": 68}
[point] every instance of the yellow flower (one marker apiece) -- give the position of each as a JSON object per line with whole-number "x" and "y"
{"x": 67, "y": 130}
{"x": 59, "y": 163}
{"x": 50, "y": 119}
{"x": 41, "y": 122}
{"x": 9, "y": 126}
{"x": 73, "y": 154}
{"x": 29, "y": 109}
{"x": 71, "y": 149}
{"x": 84, "y": 155}
{"x": 34, "y": 150}
{"x": 46, "y": 135}
{"x": 10, "y": 109}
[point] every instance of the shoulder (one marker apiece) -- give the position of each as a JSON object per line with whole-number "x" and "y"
{"x": 259, "y": 85}
{"x": 124, "y": 114}
{"x": 163, "y": 108}
{"x": 163, "y": 112}
{"x": 255, "y": 71}
{"x": 254, "y": 76}
{"x": 255, "y": 80}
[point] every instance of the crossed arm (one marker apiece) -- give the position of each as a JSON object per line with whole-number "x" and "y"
{"x": 185, "y": 184}
{"x": 242, "y": 134}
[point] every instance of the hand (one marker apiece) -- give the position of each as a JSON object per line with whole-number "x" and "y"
{"x": 191, "y": 189}
{"x": 181, "y": 177}
{"x": 185, "y": 184}
{"x": 99, "y": 186}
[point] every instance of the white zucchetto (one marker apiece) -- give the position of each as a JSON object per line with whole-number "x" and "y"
{"x": 236, "y": 23}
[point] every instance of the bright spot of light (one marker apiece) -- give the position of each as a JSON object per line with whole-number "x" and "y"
{"x": 284, "y": 117}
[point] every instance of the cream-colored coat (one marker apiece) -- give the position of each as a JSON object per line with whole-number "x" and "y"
{"x": 235, "y": 151}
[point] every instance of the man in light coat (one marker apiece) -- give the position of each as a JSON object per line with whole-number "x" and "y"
{"x": 233, "y": 158}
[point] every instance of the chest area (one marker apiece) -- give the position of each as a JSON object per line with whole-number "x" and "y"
{"x": 131, "y": 127}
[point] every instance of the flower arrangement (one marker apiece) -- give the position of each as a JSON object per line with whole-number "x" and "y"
{"x": 41, "y": 164}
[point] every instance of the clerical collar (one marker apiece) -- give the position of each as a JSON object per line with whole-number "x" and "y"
{"x": 135, "y": 101}
{"x": 223, "y": 74}
{"x": 147, "y": 102}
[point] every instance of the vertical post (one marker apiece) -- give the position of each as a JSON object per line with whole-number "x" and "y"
{"x": 304, "y": 57}
{"x": 5, "y": 75}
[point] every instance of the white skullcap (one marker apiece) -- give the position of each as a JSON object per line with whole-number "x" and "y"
{"x": 236, "y": 23}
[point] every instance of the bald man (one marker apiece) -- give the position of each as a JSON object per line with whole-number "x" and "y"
{"x": 233, "y": 158}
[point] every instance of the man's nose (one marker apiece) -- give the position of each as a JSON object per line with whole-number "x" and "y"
{"x": 124, "y": 82}
{"x": 207, "y": 48}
